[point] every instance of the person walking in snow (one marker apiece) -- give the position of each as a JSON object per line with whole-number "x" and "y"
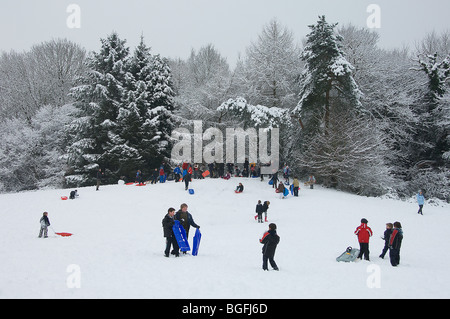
{"x": 364, "y": 233}
{"x": 386, "y": 237}
{"x": 270, "y": 240}
{"x": 395, "y": 242}
{"x": 186, "y": 179}
{"x": 259, "y": 211}
{"x": 420, "y": 201}
{"x": 185, "y": 219}
{"x": 45, "y": 222}
{"x": 171, "y": 241}
{"x": 265, "y": 207}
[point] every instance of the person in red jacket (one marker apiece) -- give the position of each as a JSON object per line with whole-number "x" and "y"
{"x": 364, "y": 233}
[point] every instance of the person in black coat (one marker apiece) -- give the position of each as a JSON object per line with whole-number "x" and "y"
{"x": 185, "y": 219}
{"x": 270, "y": 241}
{"x": 395, "y": 242}
{"x": 167, "y": 223}
{"x": 259, "y": 211}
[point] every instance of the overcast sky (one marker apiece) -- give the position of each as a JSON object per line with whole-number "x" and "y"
{"x": 173, "y": 27}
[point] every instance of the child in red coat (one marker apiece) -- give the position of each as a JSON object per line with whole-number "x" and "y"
{"x": 364, "y": 233}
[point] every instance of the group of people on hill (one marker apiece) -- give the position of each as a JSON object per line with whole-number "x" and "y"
{"x": 393, "y": 237}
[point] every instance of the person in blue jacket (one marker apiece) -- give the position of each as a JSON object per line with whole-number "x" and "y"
{"x": 177, "y": 172}
{"x": 420, "y": 201}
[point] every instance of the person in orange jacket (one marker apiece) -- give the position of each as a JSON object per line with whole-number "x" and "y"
{"x": 364, "y": 233}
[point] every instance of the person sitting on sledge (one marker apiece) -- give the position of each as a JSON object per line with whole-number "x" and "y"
{"x": 239, "y": 188}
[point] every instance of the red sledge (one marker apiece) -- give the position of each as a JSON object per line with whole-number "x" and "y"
{"x": 205, "y": 173}
{"x": 64, "y": 197}
{"x": 61, "y": 234}
{"x": 64, "y": 234}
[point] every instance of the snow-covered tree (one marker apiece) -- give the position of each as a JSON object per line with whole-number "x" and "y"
{"x": 98, "y": 98}
{"x": 327, "y": 78}
{"x": 271, "y": 69}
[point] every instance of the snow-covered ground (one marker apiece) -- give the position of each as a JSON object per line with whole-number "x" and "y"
{"x": 117, "y": 247}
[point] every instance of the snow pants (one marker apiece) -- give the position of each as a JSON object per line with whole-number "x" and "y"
{"x": 44, "y": 230}
{"x": 394, "y": 255}
{"x": 364, "y": 250}
{"x": 271, "y": 260}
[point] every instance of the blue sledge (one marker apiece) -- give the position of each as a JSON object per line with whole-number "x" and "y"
{"x": 292, "y": 189}
{"x": 191, "y": 191}
{"x": 286, "y": 192}
{"x": 180, "y": 235}
{"x": 196, "y": 242}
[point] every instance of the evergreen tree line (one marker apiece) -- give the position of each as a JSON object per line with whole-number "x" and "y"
{"x": 360, "y": 118}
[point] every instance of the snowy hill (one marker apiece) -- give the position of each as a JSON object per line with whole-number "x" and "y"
{"x": 117, "y": 247}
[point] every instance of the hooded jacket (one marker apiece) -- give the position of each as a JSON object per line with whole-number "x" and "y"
{"x": 364, "y": 233}
{"x": 270, "y": 241}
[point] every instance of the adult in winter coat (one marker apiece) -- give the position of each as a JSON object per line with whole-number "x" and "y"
{"x": 45, "y": 222}
{"x": 167, "y": 223}
{"x": 185, "y": 219}
{"x": 270, "y": 241}
{"x": 364, "y": 233}
{"x": 395, "y": 242}
{"x": 420, "y": 201}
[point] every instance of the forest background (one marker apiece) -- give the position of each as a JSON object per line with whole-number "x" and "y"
{"x": 360, "y": 118}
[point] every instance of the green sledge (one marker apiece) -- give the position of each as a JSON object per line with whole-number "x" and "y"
{"x": 349, "y": 255}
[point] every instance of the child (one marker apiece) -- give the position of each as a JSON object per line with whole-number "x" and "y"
{"x": 167, "y": 223}
{"x": 239, "y": 188}
{"x": 386, "y": 237}
{"x": 45, "y": 222}
{"x": 259, "y": 211}
{"x": 73, "y": 194}
{"x": 364, "y": 233}
{"x": 270, "y": 241}
{"x": 265, "y": 207}
{"x": 420, "y": 201}
{"x": 395, "y": 243}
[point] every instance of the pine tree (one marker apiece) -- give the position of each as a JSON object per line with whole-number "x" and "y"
{"x": 160, "y": 114}
{"x": 98, "y": 99}
{"x": 327, "y": 78}
{"x": 339, "y": 145}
